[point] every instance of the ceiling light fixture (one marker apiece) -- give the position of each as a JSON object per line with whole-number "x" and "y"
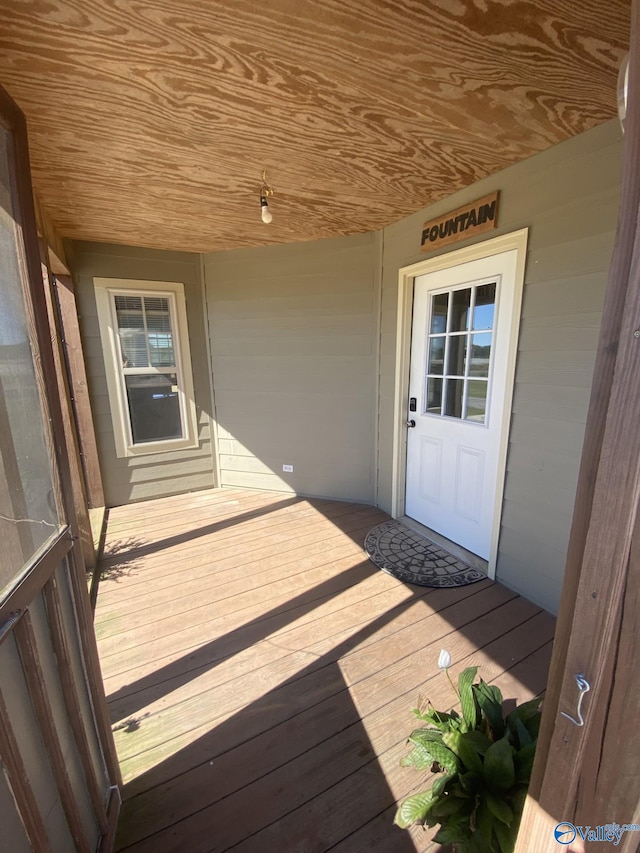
{"x": 265, "y": 191}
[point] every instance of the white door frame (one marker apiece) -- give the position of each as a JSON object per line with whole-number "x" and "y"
{"x": 515, "y": 240}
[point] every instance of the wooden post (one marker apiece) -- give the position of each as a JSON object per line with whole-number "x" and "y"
{"x": 75, "y": 467}
{"x": 74, "y": 358}
{"x": 598, "y": 630}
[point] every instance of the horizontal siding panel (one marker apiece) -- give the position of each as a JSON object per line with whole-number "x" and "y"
{"x": 164, "y": 488}
{"x": 262, "y": 307}
{"x": 580, "y": 295}
{"x": 111, "y": 253}
{"x": 265, "y": 281}
{"x": 281, "y": 410}
{"x": 291, "y": 260}
{"x": 534, "y": 491}
{"x": 133, "y": 268}
{"x": 571, "y": 369}
{"x": 564, "y": 332}
{"x": 343, "y": 484}
{"x": 286, "y": 374}
{"x": 546, "y": 434}
{"x": 540, "y": 534}
{"x": 249, "y": 480}
{"x": 577, "y": 219}
{"x": 249, "y": 464}
{"x": 296, "y": 345}
{"x": 571, "y": 259}
{"x": 561, "y": 469}
{"x": 271, "y": 462}
{"x": 169, "y": 470}
{"x": 231, "y": 326}
{"x": 525, "y": 578}
{"x": 297, "y": 447}
{"x": 559, "y": 402}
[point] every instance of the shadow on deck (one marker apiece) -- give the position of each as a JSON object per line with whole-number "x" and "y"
{"x": 261, "y": 672}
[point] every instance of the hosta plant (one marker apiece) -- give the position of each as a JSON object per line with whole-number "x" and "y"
{"x": 480, "y": 762}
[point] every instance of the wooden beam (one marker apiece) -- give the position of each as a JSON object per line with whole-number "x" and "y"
{"x": 20, "y": 784}
{"x": 92, "y": 663}
{"x": 72, "y": 702}
{"x": 32, "y": 582}
{"x": 71, "y": 437}
{"x": 599, "y": 567}
{"x": 28, "y": 648}
{"x": 47, "y": 231}
{"x": 79, "y": 388}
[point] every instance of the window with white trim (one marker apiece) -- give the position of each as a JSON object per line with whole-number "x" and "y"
{"x": 143, "y": 329}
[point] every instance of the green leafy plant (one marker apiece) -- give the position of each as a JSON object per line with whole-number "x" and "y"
{"x": 481, "y": 761}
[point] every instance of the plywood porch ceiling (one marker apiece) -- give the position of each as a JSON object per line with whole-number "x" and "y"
{"x": 151, "y": 120}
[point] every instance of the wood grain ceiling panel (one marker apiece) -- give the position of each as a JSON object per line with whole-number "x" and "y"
{"x": 151, "y": 120}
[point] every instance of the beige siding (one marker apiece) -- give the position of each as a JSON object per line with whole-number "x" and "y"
{"x": 155, "y": 475}
{"x": 293, "y": 345}
{"x": 568, "y": 198}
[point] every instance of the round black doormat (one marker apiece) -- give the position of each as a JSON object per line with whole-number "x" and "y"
{"x": 411, "y": 558}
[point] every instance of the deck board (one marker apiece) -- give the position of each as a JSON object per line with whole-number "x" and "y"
{"x": 261, "y": 672}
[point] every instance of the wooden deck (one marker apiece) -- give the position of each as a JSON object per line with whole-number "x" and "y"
{"x": 261, "y": 672}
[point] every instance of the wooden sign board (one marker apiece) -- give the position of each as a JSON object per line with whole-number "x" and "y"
{"x": 466, "y": 221}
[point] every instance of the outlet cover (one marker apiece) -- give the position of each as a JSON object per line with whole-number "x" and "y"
{"x": 288, "y": 468}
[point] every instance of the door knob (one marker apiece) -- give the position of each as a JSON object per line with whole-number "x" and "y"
{"x": 411, "y": 423}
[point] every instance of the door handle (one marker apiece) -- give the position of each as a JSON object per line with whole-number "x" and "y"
{"x": 411, "y": 423}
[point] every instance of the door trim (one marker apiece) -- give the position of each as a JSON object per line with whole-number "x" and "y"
{"x": 406, "y": 276}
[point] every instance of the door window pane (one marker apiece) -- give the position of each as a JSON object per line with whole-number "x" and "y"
{"x": 28, "y": 513}
{"x": 154, "y": 407}
{"x": 436, "y": 356}
{"x": 439, "y": 305}
{"x": 485, "y": 306}
{"x": 460, "y": 303}
{"x": 434, "y": 396}
{"x": 480, "y": 354}
{"x": 477, "y": 400}
{"x": 454, "y": 394}
{"x": 456, "y": 357}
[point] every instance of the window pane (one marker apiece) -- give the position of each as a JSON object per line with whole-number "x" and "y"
{"x": 159, "y": 332}
{"x": 436, "y": 356}
{"x": 480, "y": 354}
{"x": 460, "y": 302}
{"x": 28, "y": 515}
{"x": 457, "y": 355}
{"x": 133, "y": 341}
{"x": 485, "y": 306}
{"x": 144, "y": 327}
{"x": 434, "y": 396}
{"x": 439, "y": 313}
{"x": 453, "y": 403}
{"x": 154, "y": 407}
{"x": 477, "y": 400}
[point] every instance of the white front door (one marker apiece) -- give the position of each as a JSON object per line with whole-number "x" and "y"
{"x": 461, "y": 364}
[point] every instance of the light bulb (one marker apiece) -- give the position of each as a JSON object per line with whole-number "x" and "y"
{"x": 267, "y": 216}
